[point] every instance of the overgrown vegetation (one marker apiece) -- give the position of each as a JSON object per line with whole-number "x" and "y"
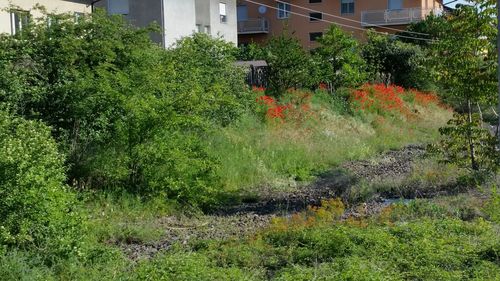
{"x": 103, "y": 134}
{"x": 36, "y": 210}
{"x": 127, "y": 114}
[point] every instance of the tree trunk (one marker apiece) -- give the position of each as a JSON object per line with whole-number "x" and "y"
{"x": 470, "y": 138}
{"x": 480, "y": 115}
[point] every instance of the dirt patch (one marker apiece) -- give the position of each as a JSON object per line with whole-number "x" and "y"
{"x": 247, "y": 218}
{"x": 395, "y": 164}
{"x": 211, "y": 227}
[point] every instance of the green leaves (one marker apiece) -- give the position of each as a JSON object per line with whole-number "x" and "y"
{"x": 462, "y": 138}
{"x": 289, "y": 65}
{"x": 464, "y": 57}
{"x": 34, "y": 203}
{"x": 393, "y": 61}
{"x": 340, "y": 58}
{"x": 126, "y": 112}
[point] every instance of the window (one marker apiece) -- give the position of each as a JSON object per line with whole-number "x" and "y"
{"x": 347, "y": 7}
{"x": 283, "y": 10}
{"x": 242, "y": 12}
{"x": 314, "y": 36}
{"x": 315, "y": 1}
{"x": 223, "y": 12}
{"x": 118, "y": 7}
{"x": 395, "y": 4}
{"x": 315, "y": 16}
{"x": 18, "y": 19}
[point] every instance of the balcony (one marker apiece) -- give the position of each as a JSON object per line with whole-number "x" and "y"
{"x": 253, "y": 26}
{"x": 395, "y": 17}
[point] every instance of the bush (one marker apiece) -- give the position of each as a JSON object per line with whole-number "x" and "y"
{"x": 340, "y": 59}
{"x": 35, "y": 207}
{"x": 290, "y": 66}
{"x": 392, "y": 61}
{"x": 125, "y": 111}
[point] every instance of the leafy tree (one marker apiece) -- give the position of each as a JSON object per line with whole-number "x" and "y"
{"x": 393, "y": 61}
{"x": 290, "y": 66}
{"x": 465, "y": 59}
{"x": 432, "y": 28}
{"x": 249, "y": 52}
{"x": 341, "y": 61}
{"x": 127, "y": 113}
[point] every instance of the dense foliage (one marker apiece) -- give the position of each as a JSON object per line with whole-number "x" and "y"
{"x": 339, "y": 55}
{"x": 139, "y": 131}
{"x": 465, "y": 60}
{"x": 289, "y": 64}
{"x": 35, "y": 206}
{"x": 393, "y": 61}
{"x": 121, "y": 107}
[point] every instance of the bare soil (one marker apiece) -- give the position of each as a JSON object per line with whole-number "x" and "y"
{"x": 245, "y": 219}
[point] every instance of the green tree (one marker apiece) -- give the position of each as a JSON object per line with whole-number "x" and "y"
{"x": 393, "y": 61}
{"x": 465, "y": 59}
{"x": 341, "y": 61}
{"x": 289, "y": 65}
{"x": 126, "y": 112}
{"x": 432, "y": 28}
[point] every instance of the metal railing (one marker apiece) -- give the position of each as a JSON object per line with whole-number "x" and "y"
{"x": 396, "y": 17}
{"x": 253, "y": 26}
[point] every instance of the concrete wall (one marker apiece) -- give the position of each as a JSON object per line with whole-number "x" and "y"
{"x": 59, "y": 6}
{"x": 203, "y": 12}
{"x": 229, "y": 29}
{"x": 179, "y": 19}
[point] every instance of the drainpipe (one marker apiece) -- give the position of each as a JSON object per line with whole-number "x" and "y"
{"x": 92, "y": 3}
{"x": 163, "y": 39}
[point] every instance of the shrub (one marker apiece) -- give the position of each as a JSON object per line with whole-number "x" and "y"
{"x": 340, "y": 59}
{"x": 35, "y": 207}
{"x": 392, "y": 61}
{"x": 250, "y": 52}
{"x": 290, "y": 66}
{"x": 126, "y": 112}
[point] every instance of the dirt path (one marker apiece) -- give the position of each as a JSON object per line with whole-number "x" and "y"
{"x": 245, "y": 219}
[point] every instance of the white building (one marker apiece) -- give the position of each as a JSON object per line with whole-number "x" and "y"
{"x": 12, "y": 21}
{"x": 178, "y": 18}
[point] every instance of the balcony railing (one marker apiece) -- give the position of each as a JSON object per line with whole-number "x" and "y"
{"x": 396, "y": 17}
{"x": 253, "y": 26}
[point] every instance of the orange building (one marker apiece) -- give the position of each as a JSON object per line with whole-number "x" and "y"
{"x": 258, "y": 20}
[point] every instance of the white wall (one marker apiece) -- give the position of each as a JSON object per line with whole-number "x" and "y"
{"x": 228, "y": 30}
{"x": 59, "y": 6}
{"x": 179, "y": 19}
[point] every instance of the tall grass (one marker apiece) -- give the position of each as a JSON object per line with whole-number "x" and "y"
{"x": 279, "y": 155}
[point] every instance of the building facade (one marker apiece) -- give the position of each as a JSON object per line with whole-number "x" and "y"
{"x": 13, "y": 20}
{"x": 179, "y": 18}
{"x": 258, "y": 20}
